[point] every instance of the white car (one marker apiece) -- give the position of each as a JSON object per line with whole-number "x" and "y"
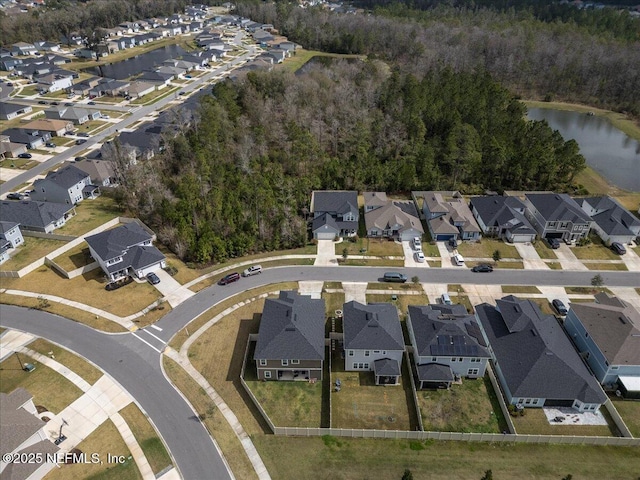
{"x": 417, "y": 244}
{"x": 419, "y": 257}
{"x": 254, "y": 270}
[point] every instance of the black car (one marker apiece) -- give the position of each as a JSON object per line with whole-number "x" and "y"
{"x": 25, "y": 155}
{"x": 55, "y": 103}
{"x": 91, "y": 103}
{"x": 553, "y": 243}
{"x": 230, "y": 278}
{"x": 15, "y": 196}
{"x": 153, "y": 278}
{"x": 43, "y": 102}
{"x": 482, "y": 268}
{"x": 84, "y": 135}
{"x": 560, "y": 307}
{"x": 453, "y": 243}
{"x": 80, "y": 141}
{"x": 68, "y": 104}
{"x": 618, "y": 248}
{"x": 79, "y": 159}
{"x": 50, "y": 145}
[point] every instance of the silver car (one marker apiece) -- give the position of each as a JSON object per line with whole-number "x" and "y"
{"x": 253, "y": 270}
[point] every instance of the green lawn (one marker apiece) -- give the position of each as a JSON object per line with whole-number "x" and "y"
{"x": 543, "y": 250}
{"x": 31, "y": 250}
{"x": 607, "y": 266}
{"x": 19, "y": 163}
{"x": 629, "y": 410}
{"x": 372, "y": 246}
{"x": 470, "y": 407}
{"x": 70, "y": 360}
{"x": 91, "y": 214}
{"x": 534, "y": 422}
{"x": 373, "y": 262}
{"x": 77, "y": 257}
{"x": 485, "y": 249}
{"x": 401, "y": 302}
{"x": 594, "y": 251}
{"x": 302, "y": 56}
{"x": 519, "y": 289}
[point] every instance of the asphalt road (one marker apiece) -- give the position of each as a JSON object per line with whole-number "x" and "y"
{"x": 134, "y": 360}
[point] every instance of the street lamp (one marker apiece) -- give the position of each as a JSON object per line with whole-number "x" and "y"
{"x": 61, "y": 438}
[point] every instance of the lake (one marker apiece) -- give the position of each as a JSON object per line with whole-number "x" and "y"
{"x": 135, "y": 65}
{"x": 609, "y": 151}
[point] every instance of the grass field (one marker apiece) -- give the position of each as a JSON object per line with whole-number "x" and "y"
{"x": 91, "y": 214}
{"x": 534, "y": 422}
{"x": 373, "y": 246}
{"x": 104, "y": 440}
{"x": 31, "y": 250}
{"x": 594, "y": 251}
{"x": 629, "y": 410}
{"x": 302, "y": 56}
{"x": 470, "y": 407}
{"x": 373, "y": 262}
{"x": 485, "y": 249}
{"x": 77, "y": 257}
{"x": 543, "y": 250}
{"x": 147, "y": 438}
{"x": 607, "y": 266}
{"x": 519, "y": 289}
{"x": 48, "y": 388}
{"x": 74, "y": 363}
{"x": 402, "y": 302}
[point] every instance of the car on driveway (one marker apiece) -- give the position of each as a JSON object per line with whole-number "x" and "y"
{"x": 80, "y": 141}
{"x": 253, "y": 270}
{"x": 25, "y": 155}
{"x": 553, "y": 243}
{"x": 68, "y": 104}
{"x": 55, "y": 103}
{"x": 230, "y": 278}
{"x": 483, "y": 267}
{"x": 419, "y": 257}
{"x": 43, "y": 102}
{"x": 559, "y": 306}
{"x": 50, "y": 145}
{"x": 83, "y": 134}
{"x": 91, "y": 103}
{"x": 153, "y": 278}
{"x": 453, "y": 243}
{"x": 15, "y": 196}
{"x": 618, "y": 248}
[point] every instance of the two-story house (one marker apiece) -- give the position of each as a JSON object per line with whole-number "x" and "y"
{"x": 557, "y": 215}
{"x": 37, "y": 216}
{"x": 125, "y": 250}
{"x": 335, "y": 214}
{"x": 611, "y": 221}
{"x": 53, "y": 82}
{"x": 373, "y": 340}
{"x": 68, "y": 185}
{"x": 290, "y": 343}
{"x": 390, "y": 218}
{"x": 503, "y": 217}
{"x": 447, "y": 343}
{"x": 10, "y": 237}
{"x": 30, "y": 138}
{"x": 607, "y": 335}
{"x": 448, "y": 216}
{"x": 534, "y": 359}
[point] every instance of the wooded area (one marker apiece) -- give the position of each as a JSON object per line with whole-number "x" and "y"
{"x": 240, "y": 179}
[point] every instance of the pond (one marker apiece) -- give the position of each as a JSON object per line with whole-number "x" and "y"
{"x": 136, "y": 65}
{"x": 609, "y": 151}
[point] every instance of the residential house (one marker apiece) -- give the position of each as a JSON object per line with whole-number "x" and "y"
{"x": 101, "y": 172}
{"x": 607, "y": 335}
{"x": 335, "y": 213}
{"x": 73, "y": 39}
{"x": 44, "y": 46}
{"x": 139, "y": 89}
{"x": 9, "y": 110}
{"x": 23, "y": 434}
{"x": 557, "y": 215}
{"x": 57, "y": 60}
{"x": 503, "y": 217}
{"x": 84, "y": 87}
{"x": 22, "y": 48}
{"x": 535, "y": 362}
{"x": 448, "y": 216}
{"x": 160, "y": 80}
{"x": 110, "y": 87}
{"x": 126, "y": 250}
{"x": 30, "y": 70}
{"x": 68, "y": 185}
{"x": 291, "y": 343}
{"x": 611, "y": 221}
{"x": 141, "y": 144}
{"x": 9, "y": 149}
{"x": 57, "y": 128}
{"x": 447, "y": 344}
{"x": 10, "y": 237}
{"x": 53, "y": 82}
{"x": 373, "y": 340}
{"x": 76, "y": 115}
{"x": 390, "y": 218}
{"x": 9, "y": 63}
{"x": 30, "y": 138}
{"x": 277, "y": 54}
{"x": 175, "y": 72}
{"x": 37, "y": 216}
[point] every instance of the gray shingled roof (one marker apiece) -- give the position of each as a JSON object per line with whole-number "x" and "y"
{"x": 339, "y": 202}
{"x": 434, "y": 372}
{"x": 291, "y": 327}
{"x": 386, "y": 367}
{"x": 610, "y": 216}
{"x": 535, "y": 356}
{"x": 446, "y": 330}
{"x": 556, "y": 207}
{"x": 33, "y": 214}
{"x": 114, "y": 242}
{"x": 373, "y": 327}
{"x": 17, "y": 424}
{"x": 614, "y": 328}
{"x": 137, "y": 258}
{"x": 326, "y": 222}
{"x": 66, "y": 177}
{"x": 6, "y": 226}
{"x": 497, "y": 211}
{"x": 395, "y": 212}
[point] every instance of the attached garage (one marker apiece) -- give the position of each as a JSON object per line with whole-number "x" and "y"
{"x": 550, "y": 402}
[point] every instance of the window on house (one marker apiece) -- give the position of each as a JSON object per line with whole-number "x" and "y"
{"x": 460, "y": 359}
{"x": 434, "y": 359}
{"x": 351, "y": 353}
{"x": 527, "y": 401}
{"x": 263, "y": 362}
{"x": 285, "y": 363}
{"x": 454, "y": 359}
{"x": 520, "y": 400}
{"x": 295, "y": 362}
{"x": 472, "y": 371}
{"x": 366, "y": 353}
{"x": 366, "y": 366}
{"x": 614, "y": 368}
{"x": 586, "y": 335}
{"x": 376, "y": 351}
{"x": 267, "y": 374}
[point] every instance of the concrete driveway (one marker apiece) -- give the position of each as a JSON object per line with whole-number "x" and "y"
{"x": 410, "y": 256}
{"x": 568, "y": 261}
{"x": 530, "y": 257}
{"x": 445, "y": 255}
{"x": 326, "y": 254}
{"x": 631, "y": 260}
{"x": 174, "y": 293}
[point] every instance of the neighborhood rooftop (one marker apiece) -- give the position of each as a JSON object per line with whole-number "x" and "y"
{"x": 374, "y": 326}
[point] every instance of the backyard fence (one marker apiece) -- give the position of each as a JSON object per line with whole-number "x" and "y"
{"x": 500, "y": 395}
{"x": 617, "y": 419}
{"x": 48, "y": 236}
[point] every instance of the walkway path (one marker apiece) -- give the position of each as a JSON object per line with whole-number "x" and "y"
{"x": 445, "y": 255}
{"x": 530, "y": 257}
{"x": 355, "y": 291}
{"x": 311, "y": 288}
{"x": 567, "y": 259}
{"x": 631, "y": 260}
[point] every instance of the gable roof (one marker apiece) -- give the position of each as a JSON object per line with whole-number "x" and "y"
{"x": 291, "y": 327}
{"x": 386, "y": 367}
{"x": 334, "y": 201}
{"x": 6, "y": 226}
{"x": 497, "y": 211}
{"x": 614, "y": 326}
{"x": 434, "y": 372}
{"x": 610, "y": 216}
{"x": 137, "y": 258}
{"x": 372, "y": 327}
{"x": 396, "y": 212}
{"x": 98, "y": 170}
{"x": 17, "y": 423}
{"x": 375, "y": 199}
{"x": 536, "y": 358}
{"x": 7, "y": 108}
{"x": 558, "y": 207}
{"x": 113, "y": 243}
{"x": 32, "y": 213}
{"x": 65, "y": 177}
{"x": 47, "y": 124}
{"x": 446, "y": 330}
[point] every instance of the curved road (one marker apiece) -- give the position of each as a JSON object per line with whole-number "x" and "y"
{"x": 134, "y": 360}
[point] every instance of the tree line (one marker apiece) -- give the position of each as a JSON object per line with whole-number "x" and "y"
{"x": 239, "y": 180}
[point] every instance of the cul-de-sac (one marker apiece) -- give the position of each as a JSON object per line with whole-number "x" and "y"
{"x": 301, "y": 239}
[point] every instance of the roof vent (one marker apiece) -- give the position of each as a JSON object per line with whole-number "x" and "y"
{"x": 622, "y": 320}
{"x": 533, "y": 332}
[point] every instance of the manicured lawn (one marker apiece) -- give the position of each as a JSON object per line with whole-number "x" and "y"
{"x": 92, "y": 125}
{"x": 534, "y": 422}
{"x": 607, "y": 266}
{"x": 213, "y": 420}
{"x": 543, "y": 250}
{"x": 519, "y": 289}
{"x": 435, "y": 263}
{"x": 594, "y": 251}
{"x": 545, "y": 306}
{"x": 62, "y": 141}
{"x": 31, "y": 250}
{"x": 48, "y": 388}
{"x": 502, "y": 264}
{"x": 147, "y": 438}
{"x": 554, "y": 265}
{"x": 155, "y": 96}
{"x": 402, "y": 302}
{"x": 373, "y": 246}
{"x": 629, "y": 410}
{"x": 103, "y": 440}
{"x": 333, "y": 302}
{"x": 91, "y": 214}
{"x": 77, "y": 257}
{"x": 394, "y": 286}
{"x": 462, "y": 408}
{"x": 74, "y": 363}
{"x": 485, "y": 249}
{"x": 301, "y": 458}
{"x": 374, "y": 262}
{"x": 19, "y": 163}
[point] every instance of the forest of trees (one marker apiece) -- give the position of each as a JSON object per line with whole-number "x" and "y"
{"x": 530, "y": 57}
{"x": 240, "y": 178}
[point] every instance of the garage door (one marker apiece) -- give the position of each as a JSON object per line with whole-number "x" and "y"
{"x": 325, "y": 235}
{"x": 554, "y": 235}
{"x": 549, "y": 402}
{"x": 444, "y": 238}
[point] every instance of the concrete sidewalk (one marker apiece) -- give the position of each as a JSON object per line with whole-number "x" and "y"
{"x": 567, "y": 259}
{"x": 171, "y": 290}
{"x": 631, "y": 260}
{"x": 12, "y": 340}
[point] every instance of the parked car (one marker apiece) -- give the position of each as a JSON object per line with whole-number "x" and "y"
{"x": 618, "y": 248}
{"x": 68, "y": 104}
{"x": 15, "y": 196}
{"x": 419, "y": 257}
{"x": 445, "y": 299}
{"x": 153, "y": 278}
{"x": 80, "y": 141}
{"x": 253, "y": 270}
{"x": 559, "y": 306}
{"x": 181, "y": 93}
{"x": 83, "y": 135}
{"x": 395, "y": 277}
{"x": 230, "y": 278}
{"x": 553, "y": 243}
{"x": 9, "y": 84}
{"x": 79, "y": 159}
{"x": 482, "y": 268}
{"x": 91, "y": 103}
{"x": 55, "y": 103}
{"x": 50, "y": 145}
{"x": 458, "y": 260}
{"x": 453, "y": 243}
{"x": 417, "y": 244}
{"x": 43, "y": 102}
{"x": 25, "y": 155}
